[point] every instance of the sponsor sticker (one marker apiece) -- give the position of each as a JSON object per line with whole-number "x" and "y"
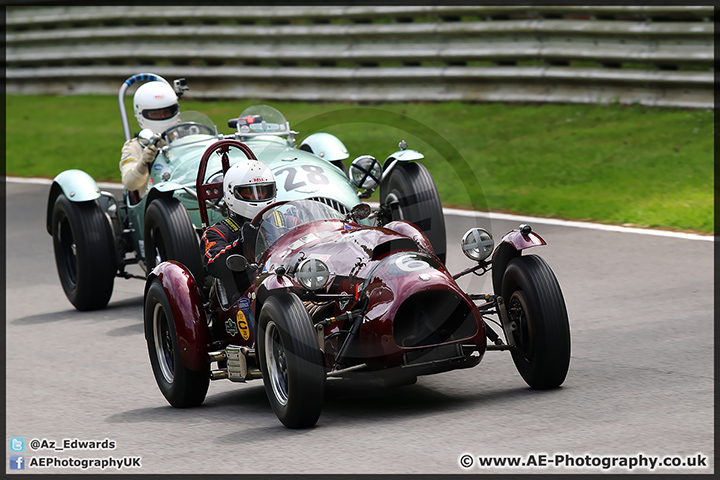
{"x": 242, "y": 325}
{"x": 244, "y": 303}
{"x": 231, "y": 327}
{"x": 306, "y": 239}
{"x": 345, "y": 299}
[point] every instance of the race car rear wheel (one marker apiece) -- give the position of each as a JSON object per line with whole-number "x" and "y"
{"x": 535, "y": 303}
{"x": 291, "y": 361}
{"x": 410, "y": 194}
{"x": 84, "y": 252}
{"x": 181, "y": 386}
{"x": 170, "y": 235}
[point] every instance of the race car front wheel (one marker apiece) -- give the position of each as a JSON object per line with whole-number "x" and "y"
{"x": 410, "y": 194}
{"x": 291, "y": 361}
{"x": 180, "y": 386}
{"x": 84, "y": 252}
{"x": 536, "y": 305}
{"x": 170, "y": 235}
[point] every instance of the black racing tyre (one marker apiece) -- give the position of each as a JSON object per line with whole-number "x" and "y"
{"x": 84, "y": 252}
{"x": 170, "y": 235}
{"x": 291, "y": 361}
{"x": 535, "y": 303}
{"x": 181, "y": 386}
{"x": 411, "y": 195}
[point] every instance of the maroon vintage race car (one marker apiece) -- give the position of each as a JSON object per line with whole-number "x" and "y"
{"x": 331, "y": 297}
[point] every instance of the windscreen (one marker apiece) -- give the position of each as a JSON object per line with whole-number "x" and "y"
{"x": 279, "y": 220}
{"x": 190, "y": 123}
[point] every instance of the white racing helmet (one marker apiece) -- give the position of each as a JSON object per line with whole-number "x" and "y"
{"x": 248, "y": 187}
{"x": 156, "y": 106}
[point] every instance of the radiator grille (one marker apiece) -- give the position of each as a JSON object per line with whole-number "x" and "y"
{"x": 332, "y": 203}
{"x": 433, "y": 317}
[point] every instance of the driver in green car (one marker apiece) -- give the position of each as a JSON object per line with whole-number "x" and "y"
{"x": 156, "y": 107}
{"x": 248, "y": 187}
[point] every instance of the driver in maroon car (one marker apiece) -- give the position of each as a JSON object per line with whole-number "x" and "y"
{"x": 248, "y": 187}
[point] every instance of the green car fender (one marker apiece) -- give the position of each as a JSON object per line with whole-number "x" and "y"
{"x": 402, "y": 156}
{"x": 76, "y": 185}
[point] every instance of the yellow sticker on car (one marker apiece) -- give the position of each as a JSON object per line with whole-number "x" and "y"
{"x": 242, "y": 325}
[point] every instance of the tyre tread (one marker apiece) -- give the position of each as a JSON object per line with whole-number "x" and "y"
{"x": 95, "y": 253}
{"x": 168, "y": 212}
{"x": 544, "y": 290}
{"x": 305, "y": 410}
{"x": 426, "y": 194}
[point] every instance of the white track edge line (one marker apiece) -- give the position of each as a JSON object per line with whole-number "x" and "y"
{"x": 476, "y": 214}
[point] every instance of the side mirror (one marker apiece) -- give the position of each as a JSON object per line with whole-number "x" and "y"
{"x": 148, "y": 137}
{"x": 236, "y": 263}
{"x": 477, "y": 244}
{"x": 360, "y": 211}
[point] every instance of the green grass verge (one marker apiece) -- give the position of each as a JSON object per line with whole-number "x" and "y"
{"x": 614, "y": 164}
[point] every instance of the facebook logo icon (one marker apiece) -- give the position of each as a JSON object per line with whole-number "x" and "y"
{"x": 17, "y": 462}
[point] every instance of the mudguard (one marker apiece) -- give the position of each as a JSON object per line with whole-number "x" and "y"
{"x": 186, "y": 302}
{"x": 76, "y": 185}
{"x": 509, "y": 247}
{"x": 326, "y": 146}
{"x": 165, "y": 189}
{"x": 401, "y": 156}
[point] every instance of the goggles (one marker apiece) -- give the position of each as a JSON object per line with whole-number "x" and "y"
{"x": 161, "y": 113}
{"x": 254, "y": 193}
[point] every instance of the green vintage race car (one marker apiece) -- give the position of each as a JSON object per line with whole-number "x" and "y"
{"x": 96, "y": 235}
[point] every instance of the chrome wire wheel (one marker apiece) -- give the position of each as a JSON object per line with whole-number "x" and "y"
{"x": 276, "y": 363}
{"x": 163, "y": 343}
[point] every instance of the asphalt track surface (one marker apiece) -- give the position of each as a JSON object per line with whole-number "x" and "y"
{"x": 640, "y": 383}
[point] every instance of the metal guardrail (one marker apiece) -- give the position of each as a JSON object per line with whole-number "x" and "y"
{"x": 660, "y": 56}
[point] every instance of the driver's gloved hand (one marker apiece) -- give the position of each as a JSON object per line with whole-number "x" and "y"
{"x": 149, "y": 154}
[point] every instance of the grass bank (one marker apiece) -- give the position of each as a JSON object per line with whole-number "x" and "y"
{"x": 614, "y": 164}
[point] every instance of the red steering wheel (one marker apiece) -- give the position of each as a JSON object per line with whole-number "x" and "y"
{"x": 210, "y": 191}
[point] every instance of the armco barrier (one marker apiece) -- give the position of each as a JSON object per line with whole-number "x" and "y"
{"x": 661, "y": 56}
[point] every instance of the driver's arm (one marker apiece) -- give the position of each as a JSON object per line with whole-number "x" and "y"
{"x": 134, "y": 171}
{"x": 218, "y": 242}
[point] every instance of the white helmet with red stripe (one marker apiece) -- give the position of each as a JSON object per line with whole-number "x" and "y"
{"x": 156, "y": 106}
{"x": 248, "y": 187}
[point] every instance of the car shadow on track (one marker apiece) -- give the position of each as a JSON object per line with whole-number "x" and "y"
{"x": 249, "y": 401}
{"x": 349, "y": 403}
{"x": 135, "y": 329}
{"x": 128, "y": 306}
{"x": 346, "y": 404}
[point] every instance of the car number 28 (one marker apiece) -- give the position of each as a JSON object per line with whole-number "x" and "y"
{"x": 313, "y": 174}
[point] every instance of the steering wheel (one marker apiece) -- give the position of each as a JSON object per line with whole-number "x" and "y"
{"x": 210, "y": 191}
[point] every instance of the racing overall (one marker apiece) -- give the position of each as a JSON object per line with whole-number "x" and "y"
{"x": 135, "y": 172}
{"x": 228, "y": 237}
